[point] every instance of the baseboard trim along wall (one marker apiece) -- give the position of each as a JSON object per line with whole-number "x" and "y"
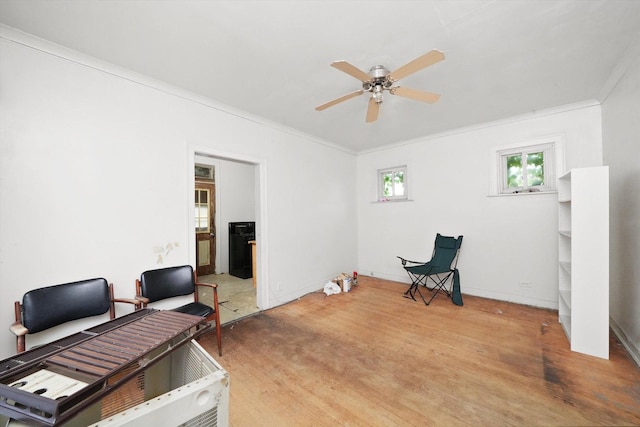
{"x": 632, "y": 349}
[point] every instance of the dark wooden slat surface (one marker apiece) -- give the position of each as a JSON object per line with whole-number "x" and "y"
{"x": 103, "y": 354}
{"x": 372, "y": 357}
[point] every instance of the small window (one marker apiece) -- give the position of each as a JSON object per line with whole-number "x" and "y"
{"x": 203, "y": 172}
{"x": 392, "y": 184}
{"x": 202, "y": 211}
{"x": 528, "y": 169}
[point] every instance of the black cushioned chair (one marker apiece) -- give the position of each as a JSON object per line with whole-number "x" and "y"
{"x": 164, "y": 283}
{"x": 51, "y": 306}
{"x": 442, "y": 266}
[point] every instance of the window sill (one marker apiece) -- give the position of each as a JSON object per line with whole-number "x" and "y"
{"x": 535, "y": 193}
{"x": 392, "y": 201}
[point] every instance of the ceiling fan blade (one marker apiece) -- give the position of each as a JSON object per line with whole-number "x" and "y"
{"x": 416, "y": 94}
{"x": 352, "y": 70}
{"x": 416, "y": 65}
{"x": 372, "y": 110}
{"x": 339, "y": 100}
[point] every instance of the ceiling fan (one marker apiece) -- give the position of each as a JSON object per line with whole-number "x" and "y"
{"x": 380, "y": 79}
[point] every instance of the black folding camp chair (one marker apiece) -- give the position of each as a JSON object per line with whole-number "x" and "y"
{"x": 441, "y": 267}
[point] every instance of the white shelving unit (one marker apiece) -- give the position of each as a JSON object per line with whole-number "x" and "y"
{"x": 583, "y": 249}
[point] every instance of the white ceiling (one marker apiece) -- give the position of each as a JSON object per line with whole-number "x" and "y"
{"x": 271, "y": 58}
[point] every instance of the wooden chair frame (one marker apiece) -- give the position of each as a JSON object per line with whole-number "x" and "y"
{"x": 213, "y": 317}
{"x": 21, "y": 331}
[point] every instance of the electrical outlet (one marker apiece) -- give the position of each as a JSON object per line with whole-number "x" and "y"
{"x": 278, "y": 286}
{"x": 526, "y": 285}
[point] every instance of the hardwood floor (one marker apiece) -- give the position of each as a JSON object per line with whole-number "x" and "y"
{"x": 374, "y": 358}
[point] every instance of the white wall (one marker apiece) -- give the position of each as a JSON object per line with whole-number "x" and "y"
{"x": 621, "y": 138}
{"x": 507, "y": 239}
{"x": 94, "y": 180}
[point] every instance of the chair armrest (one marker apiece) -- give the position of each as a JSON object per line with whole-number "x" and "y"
{"x": 213, "y": 286}
{"x": 127, "y": 300}
{"x": 405, "y": 261}
{"x": 208, "y": 285}
{"x": 137, "y": 304}
{"x": 143, "y": 300}
{"x": 18, "y": 329}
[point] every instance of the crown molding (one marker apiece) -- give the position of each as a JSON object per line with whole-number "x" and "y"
{"x": 501, "y": 122}
{"x": 47, "y": 47}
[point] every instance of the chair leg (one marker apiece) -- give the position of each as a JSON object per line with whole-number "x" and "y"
{"x": 422, "y": 296}
{"x": 219, "y": 338}
{"x": 439, "y": 286}
{"x": 433, "y": 295}
{"x": 416, "y": 282}
{"x": 218, "y": 332}
{"x": 215, "y": 319}
{"x": 410, "y": 293}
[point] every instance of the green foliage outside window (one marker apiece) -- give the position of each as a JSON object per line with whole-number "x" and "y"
{"x": 535, "y": 169}
{"x": 393, "y": 184}
{"x": 532, "y": 163}
{"x": 514, "y": 171}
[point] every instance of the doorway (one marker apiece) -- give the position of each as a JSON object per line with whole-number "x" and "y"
{"x": 234, "y": 193}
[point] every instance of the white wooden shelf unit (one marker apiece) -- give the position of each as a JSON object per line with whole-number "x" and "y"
{"x": 583, "y": 249}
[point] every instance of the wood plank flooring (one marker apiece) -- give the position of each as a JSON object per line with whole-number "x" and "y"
{"x": 373, "y": 358}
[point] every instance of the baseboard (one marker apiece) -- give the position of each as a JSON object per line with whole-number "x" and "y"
{"x": 384, "y": 276}
{"x": 514, "y": 298}
{"x": 634, "y": 351}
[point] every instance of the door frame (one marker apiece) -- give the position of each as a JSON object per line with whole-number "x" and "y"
{"x": 262, "y": 285}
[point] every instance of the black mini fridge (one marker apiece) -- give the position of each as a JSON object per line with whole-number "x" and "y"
{"x": 240, "y": 234}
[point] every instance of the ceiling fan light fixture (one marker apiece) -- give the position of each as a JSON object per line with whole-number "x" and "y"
{"x": 377, "y": 94}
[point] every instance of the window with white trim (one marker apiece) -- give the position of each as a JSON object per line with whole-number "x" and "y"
{"x": 526, "y": 169}
{"x": 392, "y": 184}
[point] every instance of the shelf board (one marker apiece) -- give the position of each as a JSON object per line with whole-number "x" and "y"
{"x": 566, "y": 266}
{"x": 565, "y": 295}
{"x": 566, "y": 325}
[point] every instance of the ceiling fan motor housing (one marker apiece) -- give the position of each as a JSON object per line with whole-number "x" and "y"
{"x": 378, "y": 72}
{"x": 378, "y": 82}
